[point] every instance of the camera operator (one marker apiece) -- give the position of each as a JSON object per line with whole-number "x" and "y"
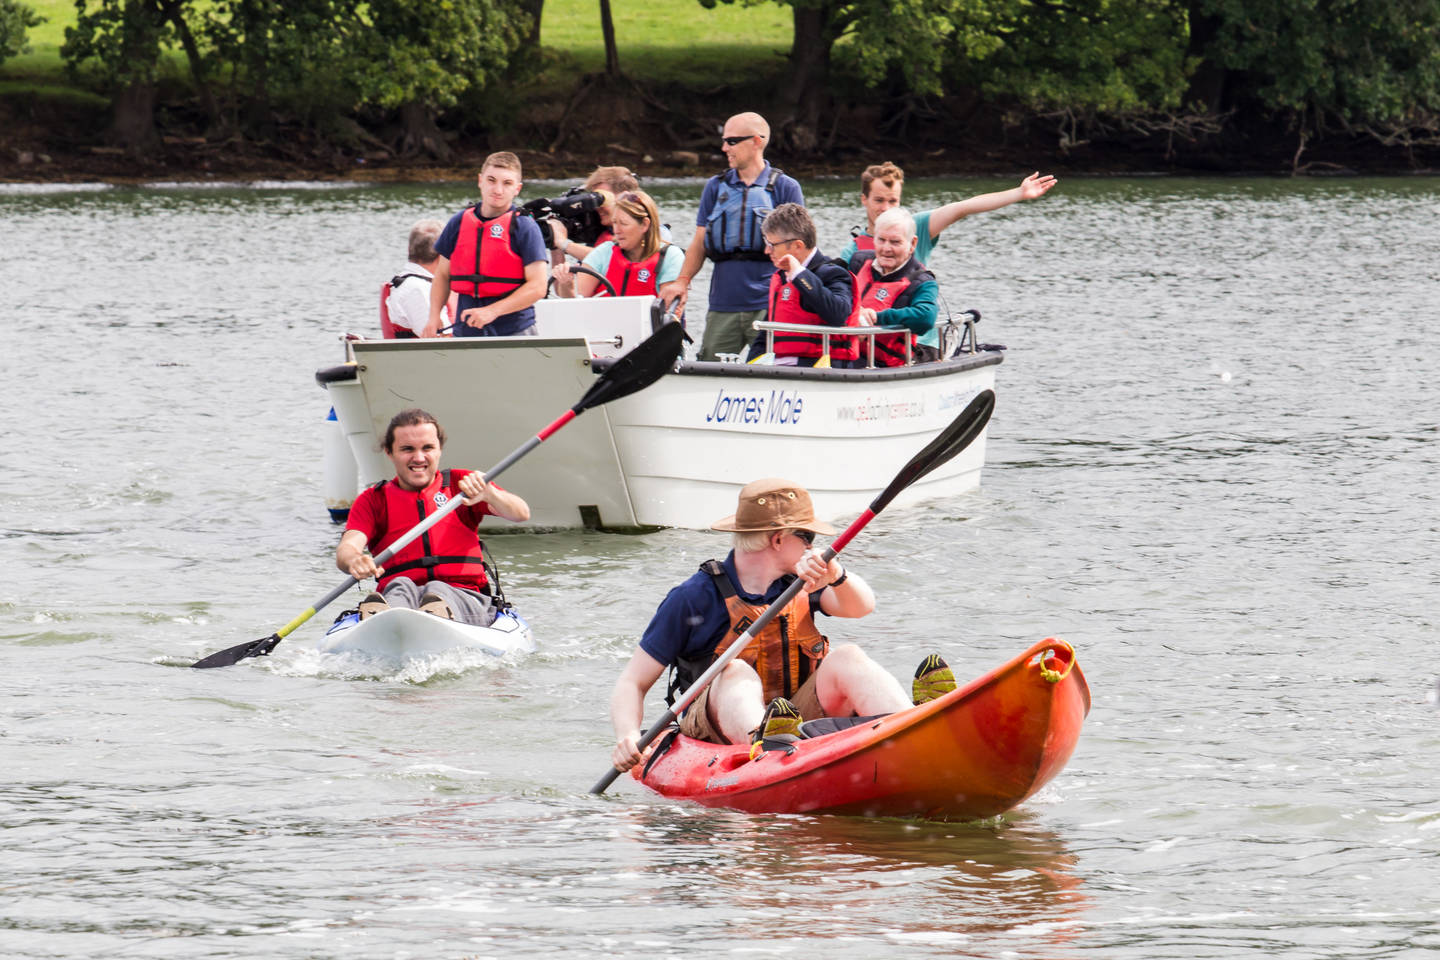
{"x": 609, "y": 182}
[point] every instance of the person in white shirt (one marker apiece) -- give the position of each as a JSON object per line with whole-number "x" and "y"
{"x": 409, "y": 301}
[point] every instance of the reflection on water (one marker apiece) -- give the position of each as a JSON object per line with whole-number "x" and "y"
{"x": 1211, "y": 469}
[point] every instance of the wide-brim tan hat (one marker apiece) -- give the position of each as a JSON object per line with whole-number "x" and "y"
{"x": 773, "y": 504}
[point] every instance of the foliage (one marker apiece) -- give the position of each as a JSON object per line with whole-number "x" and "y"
{"x": 1090, "y": 55}
{"x": 433, "y": 52}
{"x": 1355, "y": 61}
{"x": 119, "y": 40}
{"x": 16, "y": 19}
{"x": 313, "y": 59}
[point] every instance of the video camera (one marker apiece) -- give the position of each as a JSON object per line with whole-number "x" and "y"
{"x": 578, "y": 209}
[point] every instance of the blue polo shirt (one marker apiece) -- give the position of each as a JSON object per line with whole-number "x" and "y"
{"x": 692, "y": 619}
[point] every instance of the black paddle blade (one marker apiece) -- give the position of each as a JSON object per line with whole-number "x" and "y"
{"x": 960, "y": 434}
{"x": 648, "y": 362}
{"x": 225, "y": 658}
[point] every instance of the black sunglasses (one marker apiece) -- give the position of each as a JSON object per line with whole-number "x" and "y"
{"x": 735, "y": 141}
{"x": 808, "y": 536}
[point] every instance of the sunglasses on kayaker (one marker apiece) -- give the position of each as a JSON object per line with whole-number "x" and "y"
{"x": 736, "y": 141}
{"x": 808, "y": 536}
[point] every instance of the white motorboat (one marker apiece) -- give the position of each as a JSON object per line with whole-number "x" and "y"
{"x": 401, "y": 634}
{"x": 674, "y": 454}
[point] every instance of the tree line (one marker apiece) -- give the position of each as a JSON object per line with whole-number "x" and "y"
{"x": 1314, "y": 66}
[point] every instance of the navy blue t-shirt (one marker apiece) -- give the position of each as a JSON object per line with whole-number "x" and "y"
{"x": 692, "y": 618}
{"x": 526, "y": 241}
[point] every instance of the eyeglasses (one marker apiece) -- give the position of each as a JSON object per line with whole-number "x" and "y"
{"x": 808, "y": 536}
{"x": 780, "y": 243}
{"x": 736, "y": 141}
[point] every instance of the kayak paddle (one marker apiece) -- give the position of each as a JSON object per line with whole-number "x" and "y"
{"x": 954, "y": 438}
{"x": 635, "y": 371}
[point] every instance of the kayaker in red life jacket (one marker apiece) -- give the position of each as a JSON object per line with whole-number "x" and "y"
{"x": 635, "y": 262}
{"x": 895, "y": 289}
{"x": 807, "y": 287}
{"x": 789, "y": 664}
{"x": 493, "y": 257}
{"x": 441, "y": 572}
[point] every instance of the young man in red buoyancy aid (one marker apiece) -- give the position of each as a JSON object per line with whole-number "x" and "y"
{"x": 789, "y": 664}
{"x": 806, "y": 288}
{"x": 441, "y": 572}
{"x": 881, "y": 185}
{"x": 494, "y": 257}
{"x": 895, "y": 289}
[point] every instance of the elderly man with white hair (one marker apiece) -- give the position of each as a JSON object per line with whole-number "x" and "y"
{"x": 895, "y": 288}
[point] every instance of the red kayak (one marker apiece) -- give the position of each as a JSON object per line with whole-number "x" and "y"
{"x": 975, "y": 752}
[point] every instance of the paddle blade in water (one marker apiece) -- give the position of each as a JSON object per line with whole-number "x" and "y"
{"x": 233, "y": 655}
{"x": 960, "y": 434}
{"x": 648, "y": 362}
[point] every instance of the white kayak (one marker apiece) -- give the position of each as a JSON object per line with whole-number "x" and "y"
{"x": 400, "y": 633}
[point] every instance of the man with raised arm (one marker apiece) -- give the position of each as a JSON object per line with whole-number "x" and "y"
{"x": 787, "y": 672}
{"x": 880, "y": 188}
{"x": 732, "y": 207}
{"x": 493, "y": 257}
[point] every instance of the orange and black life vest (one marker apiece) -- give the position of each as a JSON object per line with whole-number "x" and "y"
{"x": 785, "y": 307}
{"x": 785, "y": 653}
{"x": 890, "y": 292}
{"x": 633, "y": 279}
{"x": 449, "y": 551}
{"x": 483, "y": 263}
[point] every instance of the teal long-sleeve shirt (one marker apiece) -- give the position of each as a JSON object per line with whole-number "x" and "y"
{"x": 919, "y": 315}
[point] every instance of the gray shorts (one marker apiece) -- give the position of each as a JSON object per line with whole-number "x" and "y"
{"x": 467, "y": 606}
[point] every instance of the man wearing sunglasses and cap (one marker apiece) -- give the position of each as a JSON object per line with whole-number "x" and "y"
{"x": 727, "y": 231}
{"x": 789, "y": 664}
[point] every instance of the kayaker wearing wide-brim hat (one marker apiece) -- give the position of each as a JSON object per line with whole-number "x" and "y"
{"x": 789, "y": 664}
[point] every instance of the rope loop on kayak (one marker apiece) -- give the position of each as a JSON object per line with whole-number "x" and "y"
{"x": 1051, "y": 675}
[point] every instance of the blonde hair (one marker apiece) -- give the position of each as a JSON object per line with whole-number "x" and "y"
{"x": 637, "y": 204}
{"x": 751, "y": 541}
{"x": 618, "y": 177}
{"x": 887, "y": 173}
{"x": 504, "y": 159}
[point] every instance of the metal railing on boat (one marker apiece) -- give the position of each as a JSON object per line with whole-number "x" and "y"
{"x": 960, "y": 325}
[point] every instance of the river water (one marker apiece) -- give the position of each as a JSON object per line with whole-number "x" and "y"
{"x": 1212, "y": 469}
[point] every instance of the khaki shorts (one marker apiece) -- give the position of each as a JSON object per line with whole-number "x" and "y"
{"x": 697, "y": 723}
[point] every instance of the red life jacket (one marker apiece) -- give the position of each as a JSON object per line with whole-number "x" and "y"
{"x": 483, "y": 249}
{"x": 388, "y": 330}
{"x": 785, "y": 308}
{"x": 863, "y": 244}
{"x": 633, "y": 279}
{"x": 887, "y": 294}
{"x": 449, "y": 551}
{"x": 785, "y": 653}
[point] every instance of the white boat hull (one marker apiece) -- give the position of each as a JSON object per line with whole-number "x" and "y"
{"x": 677, "y": 453}
{"x": 402, "y": 634}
